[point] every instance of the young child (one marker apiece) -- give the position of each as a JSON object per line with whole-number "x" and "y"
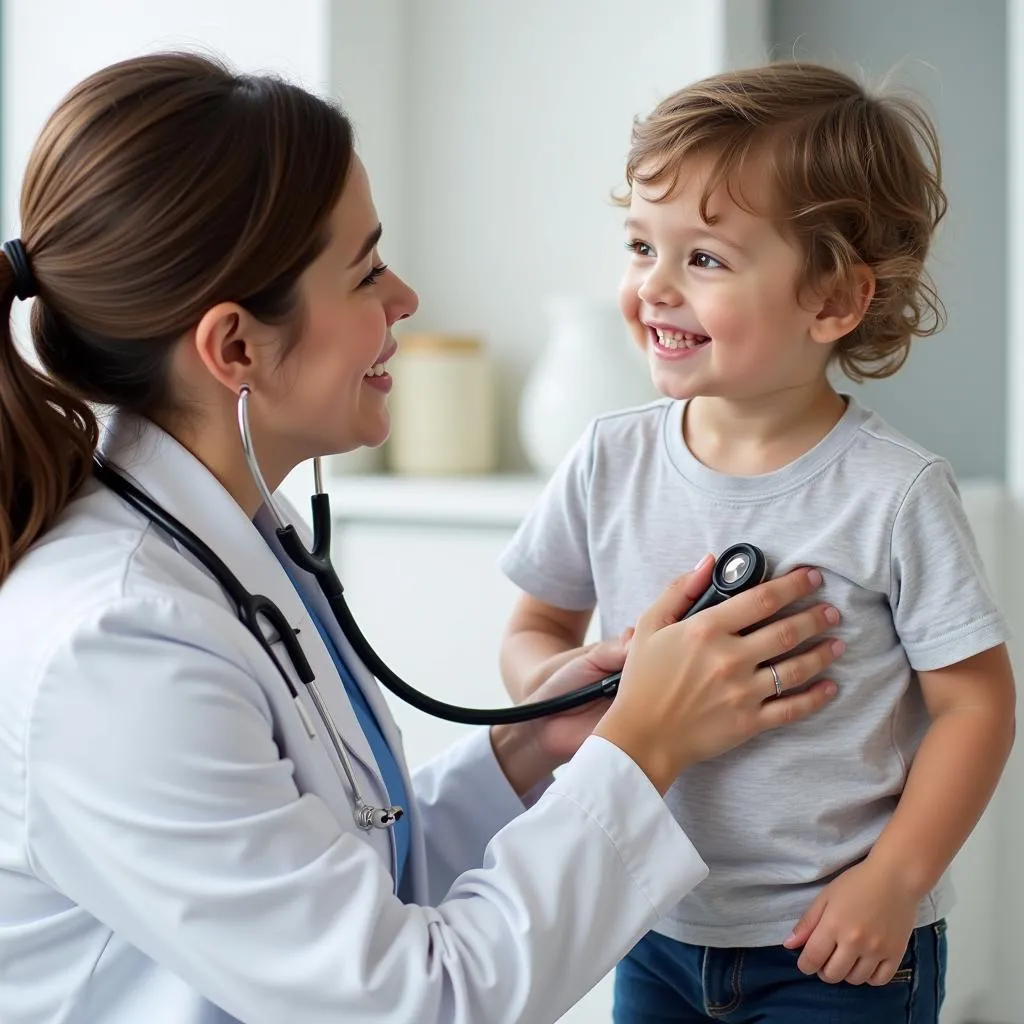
{"x": 778, "y": 222}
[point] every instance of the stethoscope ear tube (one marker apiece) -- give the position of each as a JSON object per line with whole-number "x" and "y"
{"x": 317, "y": 561}
{"x": 739, "y": 568}
{"x": 319, "y": 565}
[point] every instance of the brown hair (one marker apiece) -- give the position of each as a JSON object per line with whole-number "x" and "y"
{"x": 159, "y": 187}
{"x": 856, "y": 179}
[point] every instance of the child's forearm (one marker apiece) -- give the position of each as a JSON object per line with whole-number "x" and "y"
{"x": 529, "y": 657}
{"x": 951, "y": 781}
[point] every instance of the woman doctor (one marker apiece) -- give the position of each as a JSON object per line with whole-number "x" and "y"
{"x": 174, "y": 848}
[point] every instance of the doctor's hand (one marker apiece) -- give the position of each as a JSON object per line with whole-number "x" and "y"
{"x": 858, "y": 928}
{"x": 694, "y": 689}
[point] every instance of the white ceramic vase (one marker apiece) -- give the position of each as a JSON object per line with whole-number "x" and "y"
{"x": 589, "y": 366}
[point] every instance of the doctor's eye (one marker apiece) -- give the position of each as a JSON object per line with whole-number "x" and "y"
{"x": 705, "y": 261}
{"x": 373, "y": 275}
{"x": 639, "y": 248}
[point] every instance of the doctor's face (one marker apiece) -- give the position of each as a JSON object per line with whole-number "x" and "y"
{"x": 338, "y": 382}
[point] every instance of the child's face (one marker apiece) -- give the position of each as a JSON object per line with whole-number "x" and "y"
{"x": 715, "y": 306}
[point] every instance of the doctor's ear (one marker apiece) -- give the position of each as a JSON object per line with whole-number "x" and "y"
{"x": 235, "y": 347}
{"x": 843, "y": 305}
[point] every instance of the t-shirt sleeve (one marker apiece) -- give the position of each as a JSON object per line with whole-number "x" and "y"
{"x": 548, "y": 557}
{"x": 942, "y": 603}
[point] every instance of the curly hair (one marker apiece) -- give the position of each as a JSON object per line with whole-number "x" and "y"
{"x": 855, "y": 179}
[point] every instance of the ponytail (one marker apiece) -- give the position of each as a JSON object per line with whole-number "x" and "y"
{"x": 47, "y": 438}
{"x": 160, "y": 187}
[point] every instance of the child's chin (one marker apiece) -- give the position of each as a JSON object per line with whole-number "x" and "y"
{"x": 670, "y": 386}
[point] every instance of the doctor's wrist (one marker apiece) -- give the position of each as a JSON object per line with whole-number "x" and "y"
{"x": 659, "y": 762}
{"x": 520, "y": 758}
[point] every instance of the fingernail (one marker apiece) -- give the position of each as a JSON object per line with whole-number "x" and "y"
{"x": 832, "y": 614}
{"x": 837, "y": 647}
{"x": 815, "y": 577}
{"x": 701, "y": 563}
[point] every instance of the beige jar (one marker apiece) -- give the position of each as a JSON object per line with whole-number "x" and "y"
{"x": 442, "y": 406}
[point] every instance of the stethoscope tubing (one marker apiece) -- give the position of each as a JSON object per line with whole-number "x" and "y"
{"x": 251, "y": 608}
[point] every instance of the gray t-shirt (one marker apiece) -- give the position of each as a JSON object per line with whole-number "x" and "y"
{"x": 776, "y": 819}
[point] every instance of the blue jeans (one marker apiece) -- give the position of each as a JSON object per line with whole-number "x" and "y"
{"x": 663, "y": 981}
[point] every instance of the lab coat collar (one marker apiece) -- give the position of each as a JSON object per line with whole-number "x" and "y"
{"x": 363, "y": 676}
{"x": 172, "y": 476}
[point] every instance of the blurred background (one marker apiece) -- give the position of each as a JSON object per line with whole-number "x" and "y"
{"x": 494, "y": 132}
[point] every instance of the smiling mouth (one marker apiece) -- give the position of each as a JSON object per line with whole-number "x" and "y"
{"x": 672, "y": 339}
{"x": 380, "y": 368}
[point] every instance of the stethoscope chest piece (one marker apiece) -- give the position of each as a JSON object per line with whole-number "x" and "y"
{"x": 738, "y": 568}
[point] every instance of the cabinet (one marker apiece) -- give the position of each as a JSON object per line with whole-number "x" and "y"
{"x": 429, "y": 598}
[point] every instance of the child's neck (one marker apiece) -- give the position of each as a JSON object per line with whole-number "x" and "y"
{"x": 748, "y": 437}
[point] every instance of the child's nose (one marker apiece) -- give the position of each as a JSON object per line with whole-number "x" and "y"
{"x": 660, "y": 289}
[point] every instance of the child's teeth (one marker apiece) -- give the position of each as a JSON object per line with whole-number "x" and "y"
{"x": 377, "y": 370}
{"x": 679, "y": 339}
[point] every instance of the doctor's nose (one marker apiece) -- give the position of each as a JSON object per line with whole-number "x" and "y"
{"x": 402, "y": 300}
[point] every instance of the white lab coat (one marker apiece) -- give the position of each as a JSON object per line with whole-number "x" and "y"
{"x": 174, "y": 849}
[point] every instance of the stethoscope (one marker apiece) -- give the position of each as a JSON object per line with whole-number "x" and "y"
{"x": 738, "y": 568}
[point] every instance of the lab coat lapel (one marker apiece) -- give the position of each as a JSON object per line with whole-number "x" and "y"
{"x": 371, "y": 690}
{"x": 362, "y": 675}
{"x": 375, "y": 698}
{"x": 172, "y": 476}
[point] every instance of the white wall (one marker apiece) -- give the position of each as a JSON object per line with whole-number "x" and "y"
{"x": 1015, "y": 218}
{"x": 49, "y": 45}
{"x": 515, "y": 130}
{"x": 952, "y": 57}
{"x": 369, "y": 75}
{"x": 1007, "y": 1002}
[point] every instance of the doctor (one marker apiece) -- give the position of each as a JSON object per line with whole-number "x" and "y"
{"x": 174, "y": 847}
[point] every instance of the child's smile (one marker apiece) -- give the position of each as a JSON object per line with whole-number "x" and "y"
{"x": 669, "y": 343}
{"x": 717, "y": 303}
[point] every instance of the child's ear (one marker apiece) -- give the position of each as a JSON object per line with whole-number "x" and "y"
{"x": 843, "y": 308}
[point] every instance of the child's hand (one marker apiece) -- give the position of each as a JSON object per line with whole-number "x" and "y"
{"x": 858, "y": 928}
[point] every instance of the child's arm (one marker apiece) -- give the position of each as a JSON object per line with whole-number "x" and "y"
{"x": 539, "y": 638}
{"x": 956, "y": 769}
{"x": 859, "y": 926}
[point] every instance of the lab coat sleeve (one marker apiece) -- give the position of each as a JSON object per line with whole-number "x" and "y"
{"x": 158, "y": 801}
{"x": 463, "y": 799}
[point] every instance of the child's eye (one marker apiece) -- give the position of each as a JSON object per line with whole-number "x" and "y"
{"x": 638, "y": 248}
{"x": 705, "y": 261}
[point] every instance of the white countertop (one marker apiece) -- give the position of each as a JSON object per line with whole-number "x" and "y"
{"x": 492, "y": 500}
{"x": 498, "y": 500}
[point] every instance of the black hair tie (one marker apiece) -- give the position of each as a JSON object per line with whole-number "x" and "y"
{"x": 25, "y": 286}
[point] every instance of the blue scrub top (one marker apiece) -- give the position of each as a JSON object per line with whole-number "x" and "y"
{"x": 386, "y": 762}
